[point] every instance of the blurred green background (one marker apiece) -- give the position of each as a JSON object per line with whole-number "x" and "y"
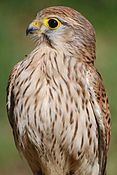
{"x": 14, "y": 17}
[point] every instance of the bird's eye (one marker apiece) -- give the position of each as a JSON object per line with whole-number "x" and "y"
{"x": 52, "y": 23}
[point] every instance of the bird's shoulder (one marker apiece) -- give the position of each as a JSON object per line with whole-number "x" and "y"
{"x": 12, "y": 77}
{"x": 16, "y": 70}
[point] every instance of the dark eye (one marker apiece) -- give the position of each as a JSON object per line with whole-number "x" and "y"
{"x": 53, "y": 23}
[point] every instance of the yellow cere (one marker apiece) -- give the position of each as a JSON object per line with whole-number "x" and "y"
{"x": 46, "y": 23}
{"x": 36, "y": 23}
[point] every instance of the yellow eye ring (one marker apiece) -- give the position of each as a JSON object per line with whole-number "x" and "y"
{"x": 51, "y": 23}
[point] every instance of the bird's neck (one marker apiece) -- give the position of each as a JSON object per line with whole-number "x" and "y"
{"x": 54, "y": 63}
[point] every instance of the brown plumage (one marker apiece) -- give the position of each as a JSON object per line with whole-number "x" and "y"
{"x": 57, "y": 104}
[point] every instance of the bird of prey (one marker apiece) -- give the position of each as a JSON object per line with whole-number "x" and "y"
{"x": 57, "y": 104}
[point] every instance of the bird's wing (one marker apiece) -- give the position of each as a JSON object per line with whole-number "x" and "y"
{"x": 100, "y": 106}
{"x": 10, "y": 96}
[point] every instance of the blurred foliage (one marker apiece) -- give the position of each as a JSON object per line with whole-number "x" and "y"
{"x": 14, "y": 17}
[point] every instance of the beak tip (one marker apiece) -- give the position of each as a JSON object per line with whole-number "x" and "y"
{"x": 27, "y": 32}
{"x": 30, "y": 31}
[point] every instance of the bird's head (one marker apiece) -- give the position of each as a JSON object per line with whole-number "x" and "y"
{"x": 66, "y": 28}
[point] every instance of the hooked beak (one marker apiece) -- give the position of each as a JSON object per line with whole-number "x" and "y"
{"x": 33, "y": 27}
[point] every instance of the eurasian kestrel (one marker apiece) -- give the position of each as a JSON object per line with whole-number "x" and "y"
{"x": 57, "y": 104}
